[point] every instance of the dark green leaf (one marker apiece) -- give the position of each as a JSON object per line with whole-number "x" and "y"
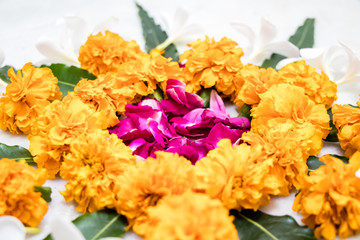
{"x": 101, "y": 224}
{"x": 68, "y": 76}
{"x": 154, "y": 35}
{"x": 45, "y": 192}
{"x": 332, "y": 137}
{"x": 303, "y": 38}
{"x": 245, "y": 111}
{"x": 260, "y": 226}
{"x": 105, "y": 223}
{"x": 205, "y": 95}
{"x": 3, "y": 73}
{"x": 314, "y": 162}
{"x": 15, "y": 152}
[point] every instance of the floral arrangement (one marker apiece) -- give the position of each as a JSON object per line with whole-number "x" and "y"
{"x": 146, "y": 144}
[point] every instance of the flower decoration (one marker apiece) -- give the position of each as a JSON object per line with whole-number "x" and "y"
{"x": 176, "y": 28}
{"x": 73, "y": 31}
{"x": 189, "y": 130}
{"x": 56, "y": 128}
{"x": 29, "y": 92}
{"x": 212, "y": 63}
{"x": 105, "y": 53}
{"x": 17, "y": 194}
{"x": 347, "y": 120}
{"x": 168, "y": 221}
{"x": 94, "y": 162}
{"x": 145, "y": 184}
{"x": 287, "y": 105}
{"x": 262, "y": 43}
{"x": 329, "y": 199}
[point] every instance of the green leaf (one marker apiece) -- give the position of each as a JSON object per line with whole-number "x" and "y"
{"x": 68, "y": 76}
{"x": 205, "y": 95}
{"x": 314, "y": 163}
{"x": 3, "y": 73}
{"x": 245, "y": 111}
{"x": 154, "y": 35}
{"x": 16, "y": 152}
{"x": 158, "y": 94}
{"x": 45, "y": 192}
{"x": 332, "y": 137}
{"x": 101, "y": 224}
{"x": 303, "y": 38}
{"x": 260, "y": 226}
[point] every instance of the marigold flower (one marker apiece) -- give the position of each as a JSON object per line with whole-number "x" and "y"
{"x": 288, "y": 152}
{"x": 317, "y": 86}
{"x": 251, "y": 81}
{"x": 144, "y": 184}
{"x": 106, "y": 53}
{"x": 190, "y": 216}
{"x": 329, "y": 199}
{"x": 347, "y": 120}
{"x": 93, "y": 163}
{"x": 17, "y": 194}
{"x": 56, "y": 128}
{"x": 29, "y": 92}
{"x": 287, "y": 104}
{"x": 227, "y": 173}
{"x": 210, "y": 63}
{"x": 148, "y": 71}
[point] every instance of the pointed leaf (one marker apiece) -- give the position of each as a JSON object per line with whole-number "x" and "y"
{"x": 45, "y": 192}
{"x": 245, "y": 111}
{"x": 303, "y": 38}
{"x": 3, "y": 73}
{"x": 205, "y": 95}
{"x": 68, "y": 76}
{"x": 154, "y": 35}
{"x": 260, "y": 226}
{"x": 314, "y": 163}
{"x": 332, "y": 136}
{"x": 15, "y": 152}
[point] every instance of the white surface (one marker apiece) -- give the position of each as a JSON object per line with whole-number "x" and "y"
{"x": 23, "y": 22}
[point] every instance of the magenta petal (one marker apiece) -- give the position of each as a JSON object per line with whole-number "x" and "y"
{"x": 141, "y": 147}
{"x": 220, "y": 131}
{"x": 217, "y": 105}
{"x": 158, "y": 135}
{"x": 239, "y": 122}
{"x": 173, "y": 107}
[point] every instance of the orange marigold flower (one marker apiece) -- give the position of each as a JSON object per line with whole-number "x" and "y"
{"x": 347, "y": 120}
{"x": 191, "y": 216}
{"x": 212, "y": 63}
{"x": 287, "y": 104}
{"x": 94, "y": 162}
{"x": 148, "y": 71}
{"x": 317, "y": 86}
{"x": 329, "y": 199}
{"x": 105, "y": 53}
{"x": 251, "y": 81}
{"x": 229, "y": 174}
{"x": 286, "y": 150}
{"x": 143, "y": 185}
{"x": 17, "y": 194}
{"x": 29, "y": 92}
{"x": 56, "y": 127}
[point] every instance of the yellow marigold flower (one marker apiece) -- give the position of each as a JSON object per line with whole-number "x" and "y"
{"x": 212, "y": 63}
{"x": 105, "y": 53}
{"x": 347, "y": 120}
{"x": 17, "y": 194}
{"x": 251, "y": 81}
{"x": 228, "y": 173}
{"x": 329, "y": 199}
{"x": 143, "y": 185}
{"x": 55, "y": 129}
{"x": 94, "y": 162}
{"x": 29, "y": 92}
{"x": 317, "y": 86}
{"x": 287, "y": 152}
{"x": 287, "y": 104}
{"x": 190, "y": 216}
{"x": 148, "y": 71}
